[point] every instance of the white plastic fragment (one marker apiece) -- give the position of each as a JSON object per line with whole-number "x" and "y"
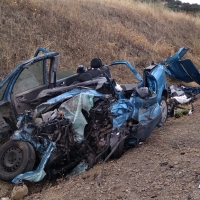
{"x": 140, "y": 143}
{"x": 118, "y": 87}
{"x": 190, "y": 112}
{"x": 5, "y": 198}
{"x": 182, "y": 99}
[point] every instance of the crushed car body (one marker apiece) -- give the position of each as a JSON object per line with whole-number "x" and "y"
{"x": 79, "y": 119}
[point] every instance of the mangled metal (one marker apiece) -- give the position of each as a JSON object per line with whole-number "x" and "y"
{"x": 86, "y": 117}
{"x": 38, "y": 174}
{"x": 183, "y": 70}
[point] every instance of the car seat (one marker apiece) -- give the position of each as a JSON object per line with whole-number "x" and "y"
{"x": 95, "y": 64}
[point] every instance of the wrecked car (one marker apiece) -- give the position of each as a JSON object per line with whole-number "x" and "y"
{"x": 57, "y": 125}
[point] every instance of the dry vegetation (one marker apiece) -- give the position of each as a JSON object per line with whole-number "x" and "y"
{"x": 83, "y": 29}
{"x": 112, "y": 30}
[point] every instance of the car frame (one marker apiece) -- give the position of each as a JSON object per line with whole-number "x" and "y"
{"x": 130, "y": 113}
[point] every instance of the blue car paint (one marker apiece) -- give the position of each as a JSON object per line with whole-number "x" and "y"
{"x": 183, "y": 70}
{"x": 122, "y": 110}
{"x": 141, "y": 110}
{"x": 40, "y": 49}
{"x": 176, "y": 57}
{"x": 159, "y": 74}
{"x": 14, "y": 74}
{"x": 189, "y": 89}
{"x": 38, "y": 174}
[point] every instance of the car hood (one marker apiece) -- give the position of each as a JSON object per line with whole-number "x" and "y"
{"x": 183, "y": 70}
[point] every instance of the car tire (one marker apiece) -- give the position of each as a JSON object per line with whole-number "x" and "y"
{"x": 164, "y": 109}
{"x": 119, "y": 150}
{"x": 16, "y": 157}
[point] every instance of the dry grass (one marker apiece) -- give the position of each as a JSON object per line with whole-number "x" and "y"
{"x": 83, "y": 29}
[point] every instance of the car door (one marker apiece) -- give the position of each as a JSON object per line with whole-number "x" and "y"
{"x": 35, "y": 76}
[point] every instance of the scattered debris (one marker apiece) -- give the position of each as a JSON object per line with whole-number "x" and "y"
{"x": 179, "y": 112}
{"x": 181, "y": 100}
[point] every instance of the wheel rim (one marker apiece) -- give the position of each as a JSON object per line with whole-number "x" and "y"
{"x": 12, "y": 159}
{"x": 163, "y": 106}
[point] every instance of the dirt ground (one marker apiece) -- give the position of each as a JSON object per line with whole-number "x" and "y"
{"x": 166, "y": 166}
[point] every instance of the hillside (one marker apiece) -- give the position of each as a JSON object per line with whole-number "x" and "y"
{"x": 83, "y": 29}
{"x": 166, "y": 165}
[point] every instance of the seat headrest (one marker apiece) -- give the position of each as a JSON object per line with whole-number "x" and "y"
{"x": 96, "y": 63}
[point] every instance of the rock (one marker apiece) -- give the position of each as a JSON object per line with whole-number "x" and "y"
{"x": 176, "y": 163}
{"x": 5, "y": 198}
{"x": 163, "y": 164}
{"x": 19, "y": 191}
{"x": 119, "y": 196}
